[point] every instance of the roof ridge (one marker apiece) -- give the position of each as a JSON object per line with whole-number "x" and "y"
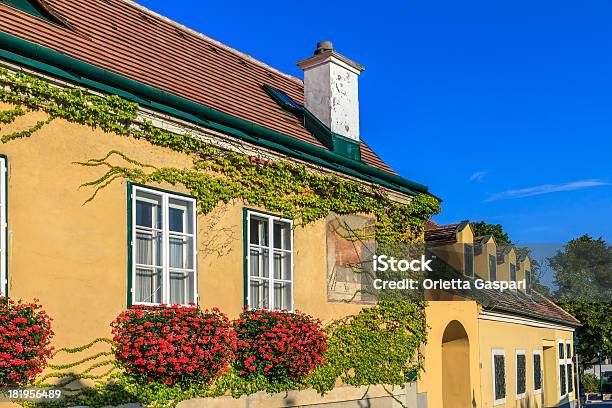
{"x": 212, "y": 41}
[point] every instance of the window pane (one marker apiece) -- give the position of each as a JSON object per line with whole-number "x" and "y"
{"x": 528, "y": 281}
{"x": 520, "y": 373}
{"x": 176, "y": 219}
{"x": 148, "y": 248}
{"x": 492, "y": 267}
{"x": 568, "y": 350}
{"x": 148, "y": 285}
{"x": 561, "y": 354}
{"x": 181, "y": 252}
{"x": 468, "y": 253}
{"x": 282, "y": 296}
{"x": 562, "y": 379}
{"x": 500, "y": 377}
{"x": 282, "y": 235}
{"x": 259, "y": 294}
{"x": 259, "y": 231}
{"x": 148, "y": 210}
{"x": 570, "y": 378}
{"x": 259, "y": 262}
{"x": 537, "y": 372}
{"x": 513, "y": 272}
{"x": 182, "y": 287}
{"x": 282, "y": 265}
{"x": 180, "y": 215}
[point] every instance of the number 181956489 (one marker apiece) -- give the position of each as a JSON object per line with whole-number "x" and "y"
{"x": 31, "y": 394}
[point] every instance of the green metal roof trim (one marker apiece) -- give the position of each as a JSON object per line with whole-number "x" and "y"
{"x": 32, "y": 7}
{"x": 60, "y": 65}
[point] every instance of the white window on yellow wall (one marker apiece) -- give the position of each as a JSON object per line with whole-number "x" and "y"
{"x": 562, "y": 369}
{"x": 498, "y": 368}
{"x": 3, "y": 228}
{"x": 569, "y": 368}
{"x": 163, "y": 243}
{"x": 269, "y": 261}
{"x": 537, "y": 371}
{"x": 520, "y": 374}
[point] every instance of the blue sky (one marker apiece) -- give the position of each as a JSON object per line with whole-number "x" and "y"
{"x": 503, "y": 108}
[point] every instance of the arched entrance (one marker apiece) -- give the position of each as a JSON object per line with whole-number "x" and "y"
{"x": 455, "y": 367}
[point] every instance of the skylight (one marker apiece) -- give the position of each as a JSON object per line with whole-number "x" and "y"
{"x": 284, "y": 100}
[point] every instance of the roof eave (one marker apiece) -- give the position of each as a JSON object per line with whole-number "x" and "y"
{"x": 60, "y": 65}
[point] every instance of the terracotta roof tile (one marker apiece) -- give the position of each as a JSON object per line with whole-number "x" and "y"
{"x": 129, "y": 40}
{"x": 441, "y": 234}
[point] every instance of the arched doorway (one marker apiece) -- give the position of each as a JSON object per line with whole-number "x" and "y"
{"x": 455, "y": 367}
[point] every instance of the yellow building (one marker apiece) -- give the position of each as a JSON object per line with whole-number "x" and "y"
{"x": 509, "y": 349}
{"x": 145, "y": 243}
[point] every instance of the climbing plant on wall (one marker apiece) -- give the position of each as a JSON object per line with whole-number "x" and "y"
{"x": 217, "y": 175}
{"x": 220, "y": 176}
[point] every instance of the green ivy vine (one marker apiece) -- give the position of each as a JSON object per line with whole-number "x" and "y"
{"x": 380, "y": 345}
{"x": 217, "y": 175}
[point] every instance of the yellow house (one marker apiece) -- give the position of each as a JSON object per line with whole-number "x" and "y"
{"x": 96, "y": 217}
{"x": 508, "y": 349}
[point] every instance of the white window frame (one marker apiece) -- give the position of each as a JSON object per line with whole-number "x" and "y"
{"x": 271, "y": 280}
{"x": 519, "y": 352}
{"x": 562, "y": 362}
{"x": 568, "y": 360}
{"x": 539, "y": 390}
{"x": 499, "y": 352}
{"x": 3, "y": 228}
{"x": 165, "y": 230}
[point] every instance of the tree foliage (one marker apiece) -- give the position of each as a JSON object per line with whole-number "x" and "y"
{"x": 496, "y": 230}
{"x": 583, "y": 275}
{"x": 595, "y": 334}
{"x": 583, "y": 270}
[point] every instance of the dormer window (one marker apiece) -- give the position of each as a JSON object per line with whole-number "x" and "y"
{"x": 528, "y": 282}
{"x": 468, "y": 259}
{"x": 492, "y": 267}
{"x": 512, "y": 272}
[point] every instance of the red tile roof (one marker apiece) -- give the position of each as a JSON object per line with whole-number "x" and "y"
{"x": 129, "y": 40}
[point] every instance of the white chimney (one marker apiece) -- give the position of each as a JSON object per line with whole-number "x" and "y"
{"x": 331, "y": 91}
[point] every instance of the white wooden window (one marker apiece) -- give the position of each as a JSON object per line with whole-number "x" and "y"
{"x": 3, "y": 229}
{"x": 498, "y": 368}
{"x": 537, "y": 372}
{"x": 164, "y": 255}
{"x": 520, "y": 374}
{"x": 569, "y": 368}
{"x": 562, "y": 370}
{"x": 269, "y": 262}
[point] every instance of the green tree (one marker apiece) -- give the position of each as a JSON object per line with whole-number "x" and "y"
{"x": 583, "y": 275}
{"x": 496, "y": 230}
{"x": 583, "y": 270}
{"x": 596, "y": 331}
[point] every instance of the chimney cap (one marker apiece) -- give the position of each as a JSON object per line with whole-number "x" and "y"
{"x": 324, "y": 46}
{"x": 324, "y": 52}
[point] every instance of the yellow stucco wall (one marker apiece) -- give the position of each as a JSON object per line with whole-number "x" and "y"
{"x": 511, "y": 337}
{"x": 481, "y": 261}
{"x": 73, "y": 257}
{"x": 439, "y": 315}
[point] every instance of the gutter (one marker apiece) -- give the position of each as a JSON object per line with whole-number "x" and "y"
{"x": 60, "y": 65}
